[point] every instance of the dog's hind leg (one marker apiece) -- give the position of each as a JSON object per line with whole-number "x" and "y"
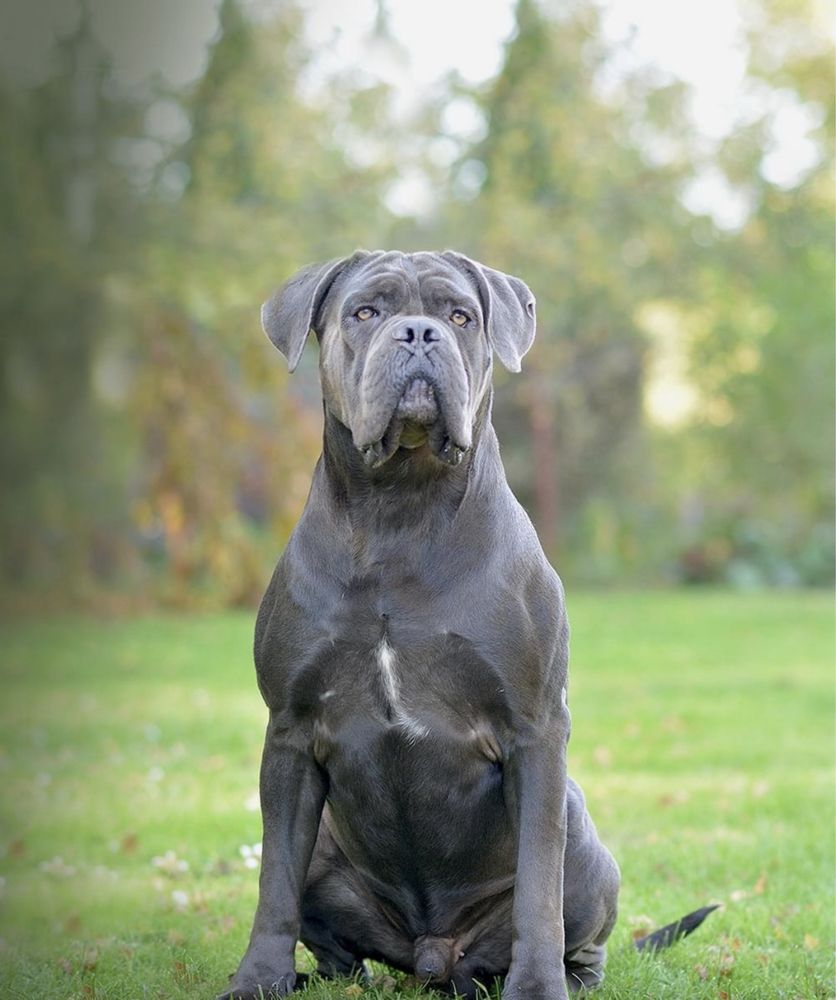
{"x": 336, "y": 925}
{"x": 585, "y": 967}
{"x": 342, "y": 923}
{"x": 333, "y": 958}
{"x": 590, "y": 897}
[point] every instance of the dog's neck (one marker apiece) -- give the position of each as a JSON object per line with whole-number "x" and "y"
{"x": 412, "y": 486}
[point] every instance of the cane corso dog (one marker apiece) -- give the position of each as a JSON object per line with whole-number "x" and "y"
{"x": 412, "y": 650}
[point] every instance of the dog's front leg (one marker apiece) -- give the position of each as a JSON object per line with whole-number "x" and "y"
{"x": 535, "y": 777}
{"x": 293, "y": 791}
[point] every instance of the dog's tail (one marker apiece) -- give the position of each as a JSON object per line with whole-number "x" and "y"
{"x": 670, "y": 933}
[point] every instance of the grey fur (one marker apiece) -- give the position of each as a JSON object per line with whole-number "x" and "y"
{"x": 412, "y": 649}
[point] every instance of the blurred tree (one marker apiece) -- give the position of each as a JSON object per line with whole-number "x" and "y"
{"x": 149, "y": 413}
{"x": 762, "y": 350}
{"x": 68, "y": 210}
{"x": 152, "y": 426}
{"x": 569, "y": 202}
{"x": 259, "y": 188}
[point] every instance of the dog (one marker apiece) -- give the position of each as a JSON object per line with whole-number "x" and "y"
{"x": 412, "y": 649}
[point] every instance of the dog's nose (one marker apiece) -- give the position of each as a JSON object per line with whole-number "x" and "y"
{"x": 415, "y": 331}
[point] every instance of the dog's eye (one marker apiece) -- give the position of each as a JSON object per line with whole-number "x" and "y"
{"x": 365, "y": 312}
{"x": 459, "y": 318}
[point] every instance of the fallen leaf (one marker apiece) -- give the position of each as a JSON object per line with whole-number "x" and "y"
{"x": 701, "y": 971}
{"x": 353, "y": 991}
{"x": 759, "y": 886}
{"x": 673, "y": 798}
{"x": 17, "y": 848}
{"x": 726, "y": 965}
{"x": 129, "y": 843}
{"x": 200, "y": 902}
{"x": 72, "y": 925}
{"x": 810, "y": 943}
{"x": 640, "y": 924}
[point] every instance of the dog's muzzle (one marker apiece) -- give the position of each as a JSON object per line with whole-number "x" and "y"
{"x": 418, "y": 404}
{"x": 414, "y": 391}
{"x": 418, "y": 419}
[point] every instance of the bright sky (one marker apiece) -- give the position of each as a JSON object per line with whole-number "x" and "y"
{"x": 700, "y": 43}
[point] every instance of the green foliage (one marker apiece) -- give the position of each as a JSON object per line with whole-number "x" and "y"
{"x": 158, "y": 452}
{"x": 570, "y": 202}
{"x": 64, "y": 215}
{"x": 702, "y": 725}
{"x": 576, "y": 199}
{"x": 195, "y": 464}
{"x": 763, "y": 352}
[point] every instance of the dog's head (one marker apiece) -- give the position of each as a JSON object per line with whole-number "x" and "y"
{"x": 406, "y": 342}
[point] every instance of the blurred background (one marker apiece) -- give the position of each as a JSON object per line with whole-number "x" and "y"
{"x": 661, "y": 176}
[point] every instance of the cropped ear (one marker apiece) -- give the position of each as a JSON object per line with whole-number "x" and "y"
{"x": 288, "y": 316}
{"x": 508, "y": 306}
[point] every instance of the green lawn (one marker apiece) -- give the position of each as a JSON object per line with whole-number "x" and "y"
{"x": 703, "y": 737}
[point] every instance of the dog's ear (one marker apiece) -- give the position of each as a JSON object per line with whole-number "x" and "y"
{"x": 509, "y": 308}
{"x": 289, "y": 315}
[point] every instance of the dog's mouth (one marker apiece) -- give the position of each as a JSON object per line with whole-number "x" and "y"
{"x": 417, "y": 421}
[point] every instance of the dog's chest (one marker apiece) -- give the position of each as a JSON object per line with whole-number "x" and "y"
{"x": 396, "y": 707}
{"x": 413, "y": 736}
{"x": 368, "y": 698}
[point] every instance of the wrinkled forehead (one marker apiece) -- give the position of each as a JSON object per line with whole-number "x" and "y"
{"x": 416, "y": 282}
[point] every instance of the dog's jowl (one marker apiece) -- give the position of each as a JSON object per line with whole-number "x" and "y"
{"x": 412, "y": 650}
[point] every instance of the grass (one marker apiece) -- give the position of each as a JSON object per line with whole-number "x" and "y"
{"x": 703, "y": 739}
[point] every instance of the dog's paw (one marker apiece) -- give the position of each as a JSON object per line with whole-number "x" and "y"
{"x": 266, "y": 988}
{"x": 536, "y": 987}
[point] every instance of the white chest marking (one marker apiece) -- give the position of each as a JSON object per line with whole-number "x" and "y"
{"x": 386, "y": 661}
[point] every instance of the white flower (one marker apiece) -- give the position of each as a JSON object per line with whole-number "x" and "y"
{"x": 180, "y": 899}
{"x": 170, "y": 864}
{"x": 57, "y": 866}
{"x": 250, "y": 854}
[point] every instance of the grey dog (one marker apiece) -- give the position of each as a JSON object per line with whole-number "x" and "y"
{"x": 412, "y": 650}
